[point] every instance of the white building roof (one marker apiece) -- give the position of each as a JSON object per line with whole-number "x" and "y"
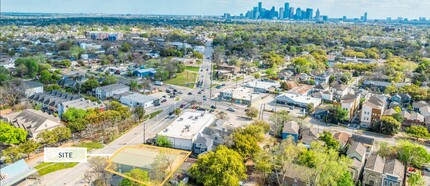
{"x": 296, "y": 98}
{"x": 188, "y": 125}
{"x": 81, "y": 104}
{"x": 138, "y": 98}
{"x": 243, "y": 93}
{"x": 262, "y": 84}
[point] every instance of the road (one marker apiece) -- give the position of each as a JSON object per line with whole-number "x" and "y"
{"x": 75, "y": 175}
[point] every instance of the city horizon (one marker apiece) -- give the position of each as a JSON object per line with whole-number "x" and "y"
{"x": 218, "y": 8}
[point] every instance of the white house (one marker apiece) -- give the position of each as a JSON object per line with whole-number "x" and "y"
{"x": 186, "y": 128}
{"x": 136, "y": 100}
{"x": 110, "y": 90}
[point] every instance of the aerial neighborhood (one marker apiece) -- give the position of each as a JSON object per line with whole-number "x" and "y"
{"x": 214, "y": 101}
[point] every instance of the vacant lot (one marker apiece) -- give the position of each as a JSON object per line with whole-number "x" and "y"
{"x": 192, "y": 68}
{"x": 185, "y": 79}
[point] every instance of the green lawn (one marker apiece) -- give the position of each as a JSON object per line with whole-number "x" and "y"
{"x": 192, "y": 68}
{"x": 152, "y": 115}
{"x": 90, "y": 145}
{"x": 185, "y": 79}
{"x": 214, "y": 85}
{"x": 48, "y": 167}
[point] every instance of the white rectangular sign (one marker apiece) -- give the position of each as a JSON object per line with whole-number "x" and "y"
{"x": 67, "y": 154}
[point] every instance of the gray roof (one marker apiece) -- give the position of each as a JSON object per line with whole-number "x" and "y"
{"x": 362, "y": 139}
{"x": 291, "y": 127}
{"x": 349, "y": 98}
{"x": 322, "y": 86}
{"x": 112, "y": 87}
{"x": 358, "y": 148}
{"x": 394, "y": 167}
{"x": 375, "y": 163}
{"x": 30, "y": 119}
{"x": 309, "y": 135}
{"x": 204, "y": 141}
{"x": 136, "y": 97}
{"x": 419, "y": 104}
{"x": 53, "y": 98}
{"x": 32, "y": 84}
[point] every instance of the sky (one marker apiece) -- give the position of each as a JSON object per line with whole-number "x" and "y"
{"x": 376, "y": 9}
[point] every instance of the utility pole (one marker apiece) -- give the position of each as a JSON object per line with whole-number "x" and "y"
{"x": 144, "y": 132}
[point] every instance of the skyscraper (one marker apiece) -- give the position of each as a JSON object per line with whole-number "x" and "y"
{"x": 272, "y": 12}
{"x": 309, "y": 13}
{"x": 260, "y": 8}
{"x": 281, "y": 13}
{"x": 255, "y": 13}
{"x": 365, "y": 17}
{"x": 317, "y": 15}
{"x": 298, "y": 13}
{"x": 291, "y": 12}
{"x": 286, "y": 10}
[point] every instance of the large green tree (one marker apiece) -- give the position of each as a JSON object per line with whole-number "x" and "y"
{"x": 11, "y": 135}
{"x": 330, "y": 142}
{"x": 389, "y": 125}
{"x": 138, "y": 174}
{"x": 418, "y": 132}
{"x": 224, "y": 167}
{"x": 163, "y": 141}
{"x": 412, "y": 154}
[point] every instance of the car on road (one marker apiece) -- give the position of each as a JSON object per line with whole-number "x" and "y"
{"x": 213, "y": 107}
{"x": 201, "y": 70}
{"x": 180, "y": 92}
{"x": 164, "y": 96}
{"x": 222, "y": 84}
{"x": 182, "y": 106}
{"x": 204, "y": 99}
{"x": 172, "y": 96}
{"x": 168, "y": 91}
{"x": 207, "y": 69}
{"x": 231, "y": 109}
{"x": 199, "y": 92}
{"x": 164, "y": 100}
{"x": 190, "y": 93}
{"x": 218, "y": 87}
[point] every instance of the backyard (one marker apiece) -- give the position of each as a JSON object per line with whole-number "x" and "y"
{"x": 185, "y": 79}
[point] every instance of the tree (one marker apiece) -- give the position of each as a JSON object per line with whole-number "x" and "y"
{"x": 252, "y": 112}
{"x": 46, "y": 137}
{"x": 27, "y": 66}
{"x": 310, "y": 108}
{"x": 10, "y": 134}
{"x": 329, "y": 141}
{"x": 411, "y": 154}
{"x": 97, "y": 170}
{"x": 134, "y": 85}
{"x": 389, "y": 125}
{"x": 346, "y": 180}
{"x": 163, "y": 141}
{"x": 90, "y": 85}
{"x": 417, "y": 132}
{"x": 160, "y": 167}
{"x": 4, "y": 76}
{"x": 78, "y": 125}
{"x": 245, "y": 140}
{"x": 45, "y": 77}
{"x": 139, "y": 113}
{"x": 109, "y": 80}
{"x": 28, "y": 147}
{"x": 177, "y": 111}
{"x": 257, "y": 75}
{"x": 416, "y": 179}
{"x": 12, "y": 154}
{"x": 137, "y": 174}
{"x": 211, "y": 168}
{"x": 73, "y": 114}
{"x": 278, "y": 119}
{"x": 337, "y": 114}
{"x": 76, "y": 52}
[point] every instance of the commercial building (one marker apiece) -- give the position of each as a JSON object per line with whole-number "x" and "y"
{"x": 14, "y": 173}
{"x": 240, "y": 95}
{"x": 262, "y": 86}
{"x": 185, "y": 129}
{"x": 110, "y": 90}
{"x": 372, "y": 111}
{"x": 148, "y": 72}
{"x": 297, "y": 100}
{"x": 136, "y": 100}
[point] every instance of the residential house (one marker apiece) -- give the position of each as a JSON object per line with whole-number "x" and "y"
{"x": 230, "y": 68}
{"x": 15, "y": 173}
{"x": 137, "y": 99}
{"x": 301, "y": 89}
{"x": 322, "y": 78}
{"x": 427, "y": 122}
{"x": 350, "y": 103}
{"x": 309, "y": 135}
{"x": 425, "y": 111}
{"x": 298, "y": 175}
{"x": 413, "y": 118}
{"x": 341, "y": 90}
{"x": 211, "y": 137}
{"x": 373, "y": 171}
{"x": 33, "y": 121}
{"x": 291, "y": 128}
{"x": 372, "y": 111}
{"x": 50, "y": 101}
{"x": 108, "y": 91}
{"x": 357, "y": 152}
{"x": 148, "y": 72}
{"x": 322, "y": 87}
{"x": 394, "y": 172}
{"x": 31, "y": 87}
{"x": 417, "y": 105}
{"x": 342, "y": 138}
{"x": 380, "y": 86}
{"x": 403, "y": 99}
{"x": 366, "y": 141}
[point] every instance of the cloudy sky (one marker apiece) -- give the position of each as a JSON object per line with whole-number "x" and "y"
{"x": 332, "y": 8}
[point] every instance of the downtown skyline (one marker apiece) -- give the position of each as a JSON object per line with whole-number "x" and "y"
{"x": 378, "y": 9}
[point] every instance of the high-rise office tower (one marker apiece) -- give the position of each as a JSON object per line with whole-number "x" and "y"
{"x": 260, "y": 8}
{"x": 281, "y": 13}
{"x": 272, "y": 12}
{"x": 298, "y": 13}
{"x": 291, "y": 12}
{"x": 255, "y": 13}
{"x": 365, "y": 17}
{"x": 303, "y": 14}
{"x": 309, "y": 13}
{"x": 286, "y": 10}
{"x": 317, "y": 14}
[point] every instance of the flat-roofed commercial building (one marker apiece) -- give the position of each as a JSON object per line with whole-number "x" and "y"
{"x": 185, "y": 129}
{"x": 297, "y": 100}
{"x": 240, "y": 95}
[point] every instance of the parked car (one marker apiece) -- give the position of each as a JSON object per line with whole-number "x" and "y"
{"x": 199, "y": 92}
{"x": 213, "y": 107}
{"x": 231, "y": 109}
{"x": 164, "y": 96}
{"x": 190, "y": 93}
{"x": 164, "y": 100}
{"x": 168, "y": 91}
{"x": 182, "y": 106}
{"x": 218, "y": 86}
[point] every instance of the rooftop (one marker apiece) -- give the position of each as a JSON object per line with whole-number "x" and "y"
{"x": 262, "y": 84}
{"x": 291, "y": 127}
{"x": 81, "y": 104}
{"x": 301, "y": 89}
{"x": 112, "y": 87}
{"x": 187, "y": 125}
{"x": 375, "y": 163}
{"x": 136, "y": 97}
{"x": 243, "y": 93}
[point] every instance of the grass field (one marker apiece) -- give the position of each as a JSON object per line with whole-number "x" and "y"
{"x": 192, "y": 68}
{"x": 48, "y": 167}
{"x": 185, "y": 79}
{"x": 152, "y": 115}
{"x": 90, "y": 145}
